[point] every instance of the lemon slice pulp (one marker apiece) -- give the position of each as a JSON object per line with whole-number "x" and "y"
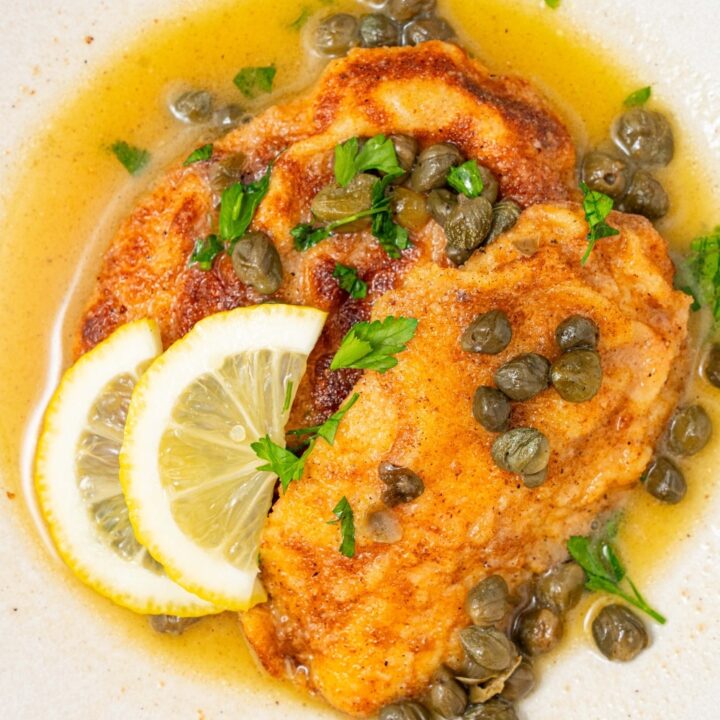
{"x": 196, "y": 497}
{"x": 77, "y": 477}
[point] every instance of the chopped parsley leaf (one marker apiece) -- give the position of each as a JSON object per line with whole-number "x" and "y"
{"x": 301, "y": 20}
{"x": 202, "y": 153}
{"x": 205, "y": 251}
{"x": 639, "y": 97}
{"x": 349, "y": 280}
{"x": 328, "y": 430}
{"x": 254, "y": 81}
{"x": 554, "y": 4}
{"x": 605, "y": 572}
{"x": 287, "y": 466}
{"x": 306, "y": 236}
{"x": 373, "y": 345}
{"x": 597, "y": 207}
{"x": 344, "y": 517}
{"x": 378, "y": 153}
{"x": 238, "y": 205}
{"x": 133, "y": 159}
{"x": 466, "y": 179}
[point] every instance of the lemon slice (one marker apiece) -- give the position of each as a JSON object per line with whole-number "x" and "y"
{"x": 77, "y": 477}
{"x": 197, "y": 500}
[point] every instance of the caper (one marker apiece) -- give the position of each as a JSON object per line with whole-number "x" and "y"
{"x": 505, "y": 215}
{"x": 410, "y": 209}
{"x": 473, "y": 674}
{"x": 440, "y": 204}
{"x": 561, "y": 587}
{"x": 230, "y": 169}
{"x": 378, "y": 30}
{"x": 606, "y": 174}
{"x": 402, "y": 484}
{"x": 491, "y": 409}
{"x": 433, "y": 165}
{"x": 619, "y": 633}
{"x": 257, "y": 263}
{"x": 534, "y": 480}
{"x": 524, "y": 451}
{"x": 336, "y": 34}
{"x": 406, "y": 150}
{"x": 405, "y": 711}
{"x": 493, "y": 709}
{"x": 645, "y": 136}
{"x": 577, "y": 331}
{"x": 335, "y": 203}
{"x": 195, "y": 106}
{"x": 467, "y": 228}
{"x": 171, "y": 624}
{"x": 577, "y": 375}
{"x": 383, "y": 527}
{"x": 230, "y": 116}
{"x": 491, "y": 187}
{"x": 425, "y": 29}
{"x": 646, "y": 196}
{"x": 524, "y": 376}
{"x": 489, "y": 333}
{"x": 664, "y": 481}
{"x": 539, "y": 630}
{"x": 521, "y": 683}
{"x": 690, "y": 430}
{"x": 446, "y": 696}
{"x": 488, "y": 602}
{"x": 488, "y": 647}
{"x": 404, "y": 10}
{"x": 711, "y": 365}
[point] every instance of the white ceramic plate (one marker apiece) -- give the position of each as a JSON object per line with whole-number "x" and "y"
{"x": 62, "y": 655}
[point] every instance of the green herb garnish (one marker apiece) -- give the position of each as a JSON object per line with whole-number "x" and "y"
{"x": 288, "y": 397}
{"x": 597, "y": 207}
{"x": 301, "y": 20}
{"x": 349, "y": 281}
{"x": 202, "y": 153}
{"x": 285, "y": 464}
{"x": 605, "y": 572}
{"x": 554, "y": 4}
{"x": 466, "y": 179}
{"x": 378, "y": 153}
{"x": 205, "y": 251}
{"x": 392, "y": 237}
{"x": 238, "y": 205}
{"x": 373, "y": 345}
{"x": 254, "y": 81}
{"x": 133, "y": 159}
{"x": 639, "y": 97}
{"x": 329, "y": 428}
{"x": 344, "y": 514}
{"x": 704, "y": 265}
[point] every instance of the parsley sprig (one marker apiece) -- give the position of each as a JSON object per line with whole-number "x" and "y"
{"x": 373, "y": 345}
{"x": 466, "y": 179}
{"x": 285, "y": 464}
{"x": 597, "y": 207}
{"x": 703, "y": 264}
{"x": 605, "y": 572}
{"x": 344, "y": 517}
{"x": 378, "y": 153}
{"x": 392, "y": 238}
{"x": 349, "y": 281}
{"x": 205, "y": 251}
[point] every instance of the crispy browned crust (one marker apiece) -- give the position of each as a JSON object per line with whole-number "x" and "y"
{"x": 372, "y": 629}
{"x": 434, "y": 92}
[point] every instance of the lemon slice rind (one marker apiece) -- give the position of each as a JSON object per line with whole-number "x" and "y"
{"x": 77, "y": 538}
{"x": 275, "y": 327}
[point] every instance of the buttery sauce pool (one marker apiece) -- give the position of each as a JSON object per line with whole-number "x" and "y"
{"x": 57, "y": 228}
